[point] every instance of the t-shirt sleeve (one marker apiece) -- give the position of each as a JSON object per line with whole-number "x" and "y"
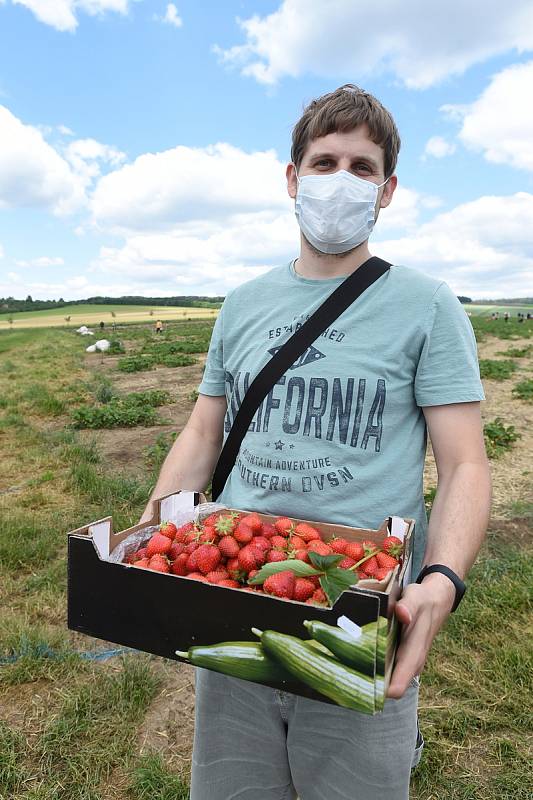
{"x": 448, "y": 368}
{"x": 213, "y": 378}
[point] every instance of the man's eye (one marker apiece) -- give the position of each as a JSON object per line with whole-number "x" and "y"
{"x": 362, "y": 168}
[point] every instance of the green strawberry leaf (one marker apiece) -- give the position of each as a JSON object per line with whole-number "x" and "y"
{"x": 323, "y": 563}
{"x": 335, "y": 581}
{"x": 300, "y": 569}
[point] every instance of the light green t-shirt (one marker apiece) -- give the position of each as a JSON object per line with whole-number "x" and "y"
{"x": 341, "y": 437}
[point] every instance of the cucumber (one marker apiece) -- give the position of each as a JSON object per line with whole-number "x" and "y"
{"x": 325, "y": 675}
{"x": 357, "y": 653}
{"x": 245, "y": 660}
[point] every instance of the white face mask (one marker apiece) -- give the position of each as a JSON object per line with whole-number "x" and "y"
{"x": 336, "y": 212}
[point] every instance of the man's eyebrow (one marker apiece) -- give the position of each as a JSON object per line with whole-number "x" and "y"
{"x": 334, "y": 157}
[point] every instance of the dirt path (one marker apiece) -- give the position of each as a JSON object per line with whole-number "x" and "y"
{"x": 512, "y": 473}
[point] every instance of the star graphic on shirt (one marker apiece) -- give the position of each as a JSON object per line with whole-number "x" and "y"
{"x": 291, "y": 447}
{"x": 279, "y": 445}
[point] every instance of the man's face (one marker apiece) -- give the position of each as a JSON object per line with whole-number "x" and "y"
{"x": 354, "y": 152}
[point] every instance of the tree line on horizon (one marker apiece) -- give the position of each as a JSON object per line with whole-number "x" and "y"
{"x": 11, "y": 305}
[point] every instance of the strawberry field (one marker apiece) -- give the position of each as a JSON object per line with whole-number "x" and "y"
{"x": 83, "y": 436}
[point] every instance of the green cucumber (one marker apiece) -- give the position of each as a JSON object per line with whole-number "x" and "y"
{"x": 325, "y": 675}
{"x": 245, "y": 660}
{"x": 357, "y": 653}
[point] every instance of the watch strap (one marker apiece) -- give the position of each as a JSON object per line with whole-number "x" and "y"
{"x": 460, "y": 586}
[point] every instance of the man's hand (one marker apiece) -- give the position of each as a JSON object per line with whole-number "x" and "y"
{"x": 422, "y": 611}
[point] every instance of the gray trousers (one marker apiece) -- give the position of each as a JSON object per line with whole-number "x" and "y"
{"x": 256, "y": 743}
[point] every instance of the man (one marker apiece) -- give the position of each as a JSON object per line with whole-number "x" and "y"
{"x": 340, "y": 438}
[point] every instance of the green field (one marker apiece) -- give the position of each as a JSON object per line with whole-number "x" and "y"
{"x": 76, "y": 728}
{"x": 485, "y": 311}
{"x": 92, "y": 315}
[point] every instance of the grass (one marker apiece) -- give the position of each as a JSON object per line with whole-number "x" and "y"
{"x": 524, "y": 390}
{"x": 516, "y": 352}
{"x": 475, "y": 699}
{"x": 498, "y": 437}
{"x": 152, "y": 781}
{"x": 135, "y": 408}
{"x": 496, "y": 370}
{"x": 70, "y": 726}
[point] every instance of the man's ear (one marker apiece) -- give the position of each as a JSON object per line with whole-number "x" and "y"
{"x": 292, "y": 182}
{"x": 388, "y": 191}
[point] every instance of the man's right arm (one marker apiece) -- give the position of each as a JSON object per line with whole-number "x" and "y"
{"x": 192, "y": 459}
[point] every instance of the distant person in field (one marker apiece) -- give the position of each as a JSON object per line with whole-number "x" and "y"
{"x": 102, "y": 326}
{"x": 158, "y": 326}
{"x": 506, "y": 316}
{"x": 417, "y": 375}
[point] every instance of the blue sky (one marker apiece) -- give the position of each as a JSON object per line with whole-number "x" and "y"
{"x": 143, "y": 144}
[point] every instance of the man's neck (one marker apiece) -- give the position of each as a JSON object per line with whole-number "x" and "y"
{"x": 319, "y": 266}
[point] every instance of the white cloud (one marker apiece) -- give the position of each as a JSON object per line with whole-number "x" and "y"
{"x": 171, "y": 16}
{"x": 341, "y": 38}
{"x": 62, "y": 14}
{"x": 64, "y": 131}
{"x": 187, "y": 186}
{"x": 438, "y": 147}
{"x": 35, "y": 174}
{"x": 42, "y": 261}
{"x": 500, "y": 122}
{"x": 32, "y": 173}
{"x": 481, "y": 248}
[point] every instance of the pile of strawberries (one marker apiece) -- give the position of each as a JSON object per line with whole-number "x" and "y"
{"x": 229, "y": 548}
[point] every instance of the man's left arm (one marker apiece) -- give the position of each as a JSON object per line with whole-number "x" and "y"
{"x": 456, "y": 530}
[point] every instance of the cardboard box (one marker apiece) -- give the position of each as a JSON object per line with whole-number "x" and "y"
{"x": 164, "y": 613}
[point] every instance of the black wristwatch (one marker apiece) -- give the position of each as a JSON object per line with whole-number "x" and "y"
{"x": 460, "y": 586}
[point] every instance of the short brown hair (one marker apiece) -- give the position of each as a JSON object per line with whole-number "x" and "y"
{"x": 341, "y": 111}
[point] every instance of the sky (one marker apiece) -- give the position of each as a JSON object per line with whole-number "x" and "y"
{"x": 143, "y": 144}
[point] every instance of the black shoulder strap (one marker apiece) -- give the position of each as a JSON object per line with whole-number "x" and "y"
{"x": 337, "y": 302}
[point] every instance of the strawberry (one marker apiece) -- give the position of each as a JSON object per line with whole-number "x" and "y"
{"x": 229, "y": 547}
{"x": 369, "y": 547}
{"x": 232, "y": 565}
{"x": 191, "y": 536}
{"x": 211, "y": 519}
{"x": 254, "y": 522}
{"x": 168, "y": 529}
{"x": 252, "y": 574}
{"x": 315, "y": 580}
{"x": 284, "y": 525}
{"x": 297, "y": 543}
{"x": 243, "y": 533}
{"x": 338, "y": 545}
{"x": 371, "y": 566}
{"x": 197, "y": 576}
{"x": 381, "y": 573}
{"x": 229, "y": 584}
{"x": 207, "y": 557}
{"x": 217, "y": 575}
{"x": 393, "y": 546}
{"x": 247, "y": 558}
{"x": 141, "y": 553}
{"x": 159, "y": 563}
{"x": 320, "y": 547}
{"x": 361, "y": 574}
{"x": 278, "y": 542}
{"x": 276, "y": 555}
{"x": 179, "y": 566}
{"x": 181, "y": 533}
{"x": 269, "y": 530}
{"x": 302, "y": 555}
{"x": 191, "y": 547}
{"x": 354, "y": 550}
{"x": 208, "y": 536}
{"x": 303, "y": 589}
{"x": 176, "y": 549}
{"x": 307, "y": 532}
{"x": 261, "y": 542}
{"x": 386, "y": 561}
{"x": 158, "y": 545}
{"x": 346, "y": 563}
{"x": 319, "y": 597}
{"x": 142, "y": 562}
{"x": 281, "y": 584}
{"x": 192, "y": 563}
{"x": 225, "y": 524}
